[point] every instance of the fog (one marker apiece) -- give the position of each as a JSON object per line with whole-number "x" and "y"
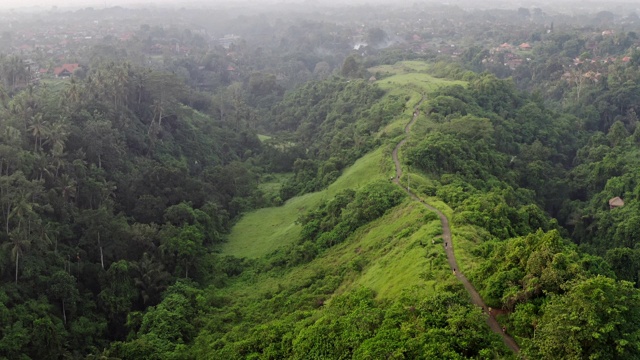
{"x": 47, "y": 5}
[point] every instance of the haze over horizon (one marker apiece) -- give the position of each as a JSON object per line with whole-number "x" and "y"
{"x": 66, "y": 4}
{"x": 46, "y": 5}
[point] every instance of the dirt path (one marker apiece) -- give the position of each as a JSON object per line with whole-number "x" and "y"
{"x": 446, "y": 237}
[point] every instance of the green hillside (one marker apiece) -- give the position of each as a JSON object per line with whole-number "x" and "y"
{"x": 461, "y": 157}
{"x": 432, "y": 243}
{"x": 415, "y": 75}
{"x": 263, "y": 231}
{"x": 336, "y": 181}
{"x": 399, "y": 257}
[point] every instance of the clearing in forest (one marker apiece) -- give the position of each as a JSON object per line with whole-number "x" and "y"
{"x": 409, "y": 75}
{"x": 263, "y": 231}
{"x": 400, "y": 252}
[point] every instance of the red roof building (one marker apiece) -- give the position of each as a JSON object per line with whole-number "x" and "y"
{"x": 525, "y": 46}
{"x": 65, "y": 70}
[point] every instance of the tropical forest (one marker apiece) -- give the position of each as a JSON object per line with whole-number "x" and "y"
{"x": 318, "y": 180}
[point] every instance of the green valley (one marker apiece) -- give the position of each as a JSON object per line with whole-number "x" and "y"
{"x": 396, "y": 261}
{"x": 320, "y": 181}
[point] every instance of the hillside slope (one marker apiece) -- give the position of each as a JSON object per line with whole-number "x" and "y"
{"x": 398, "y": 257}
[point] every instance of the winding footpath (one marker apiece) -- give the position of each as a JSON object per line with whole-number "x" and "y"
{"x": 448, "y": 244}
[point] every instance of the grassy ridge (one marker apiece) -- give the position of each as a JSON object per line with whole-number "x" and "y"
{"x": 263, "y": 231}
{"x": 402, "y": 253}
{"x": 409, "y": 74}
{"x": 396, "y": 255}
{"x": 390, "y": 255}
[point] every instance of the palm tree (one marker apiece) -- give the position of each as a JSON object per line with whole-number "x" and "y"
{"x": 22, "y": 107}
{"x": 140, "y": 79}
{"x": 42, "y": 165}
{"x": 158, "y": 109}
{"x": 47, "y": 234}
{"x": 39, "y": 128}
{"x": 14, "y": 71}
{"x": 68, "y": 187}
{"x": 97, "y": 84}
{"x": 121, "y": 82}
{"x": 22, "y": 211}
{"x": 22, "y": 208}
{"x": 155, "y": 127}
{"x": 97, "y": 222}
{"x": 18, "y": 244}
{"x": 150, "y": 278}
{"x": 4, "y": 97}
{"x": 57, "y": 136}
{"x": 11, "y": 149}
{"x": 73, "y": 94}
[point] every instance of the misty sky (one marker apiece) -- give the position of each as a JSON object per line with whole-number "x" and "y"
{"x": 48, "y": 4}
{"x": 42, "y": 5}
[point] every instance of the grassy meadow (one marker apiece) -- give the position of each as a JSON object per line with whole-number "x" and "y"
{"x": 397, "y": 256}
{"x": 265, "y": 230}
{"x": 399, "y": 251}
